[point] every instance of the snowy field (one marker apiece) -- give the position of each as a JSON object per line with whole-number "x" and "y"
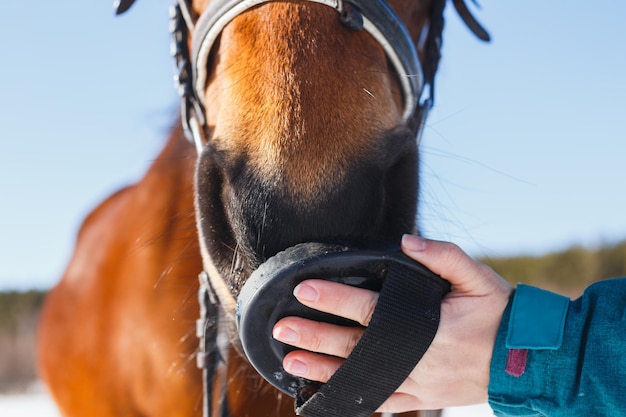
{"x": 481, "y": 410}
{"x": 27, "y": 405}
{"x": 40, "y": 405}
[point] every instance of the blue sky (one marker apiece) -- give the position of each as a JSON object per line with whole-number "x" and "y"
{"x": 524, "y": 152}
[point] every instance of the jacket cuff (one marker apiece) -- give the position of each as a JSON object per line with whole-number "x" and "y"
{"x": 537, "y": 319}
{"x": 533, "y": 322}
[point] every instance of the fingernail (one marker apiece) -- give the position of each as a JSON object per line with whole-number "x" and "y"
{"x": 413, "y": 243}
{"x": 285, "y": 334}
{"x": 296, "y": 367}
{"x": 304, "y": 292}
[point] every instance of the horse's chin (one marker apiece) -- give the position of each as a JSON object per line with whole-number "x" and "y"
{"x": 218, "y": 278}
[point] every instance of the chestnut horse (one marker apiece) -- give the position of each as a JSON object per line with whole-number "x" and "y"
{"x": 304, "y": 128}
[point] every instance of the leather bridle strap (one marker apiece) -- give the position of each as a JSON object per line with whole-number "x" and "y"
{"x": 213, "y": 350}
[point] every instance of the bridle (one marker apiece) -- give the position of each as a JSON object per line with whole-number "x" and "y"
{"x": 373, "y": 16}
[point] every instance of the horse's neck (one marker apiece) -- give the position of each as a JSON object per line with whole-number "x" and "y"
{"x": 161, "y": 217}
{"x": 172, "y": 172}
{"x": 248, "y": 393}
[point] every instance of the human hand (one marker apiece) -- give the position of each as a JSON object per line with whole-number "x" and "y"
{"x": 455, "y": 368}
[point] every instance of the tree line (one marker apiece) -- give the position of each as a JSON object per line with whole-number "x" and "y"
{"x": 19, "y": 313}
{"x": 568, "y": 272}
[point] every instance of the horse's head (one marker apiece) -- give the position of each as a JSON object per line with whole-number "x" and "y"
{"x": 305, "y": 135}
{"x": 305, "y": 118}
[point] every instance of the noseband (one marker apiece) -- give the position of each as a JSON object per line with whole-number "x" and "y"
{"x": 373, "y": 16}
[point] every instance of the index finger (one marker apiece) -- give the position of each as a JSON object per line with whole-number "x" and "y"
{"x": 341, "y": 300}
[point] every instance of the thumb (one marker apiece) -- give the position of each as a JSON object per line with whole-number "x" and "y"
{"x": 447, "y": 260}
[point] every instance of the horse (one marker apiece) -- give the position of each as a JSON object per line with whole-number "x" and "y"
{"x": 303, "y": 123}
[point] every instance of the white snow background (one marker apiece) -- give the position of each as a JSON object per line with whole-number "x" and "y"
{"x": 40, "y": 404}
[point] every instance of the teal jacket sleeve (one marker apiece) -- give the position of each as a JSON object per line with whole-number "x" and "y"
{"x": 555, "y": 358}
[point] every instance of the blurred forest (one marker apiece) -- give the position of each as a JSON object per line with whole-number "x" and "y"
{"x": 567, "y": 272}
{"x": 19, "y": 312}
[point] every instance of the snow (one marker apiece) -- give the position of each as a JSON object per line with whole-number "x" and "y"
{"x": 480, "y": 410}
{"x": 28, "y": 405}
{"x": 41, "y": 405}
